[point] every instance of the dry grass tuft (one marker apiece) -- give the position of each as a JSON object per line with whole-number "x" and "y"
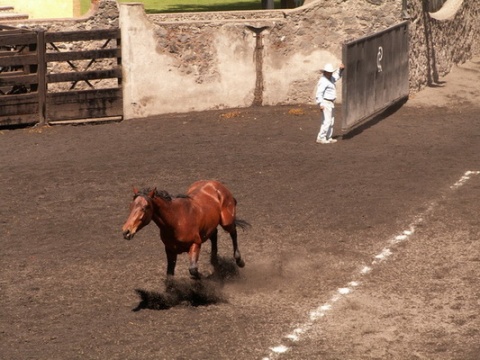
{"x": 296, "y": 112}
{"x": 230, "y": 115}
{"x": 38, "y": 129}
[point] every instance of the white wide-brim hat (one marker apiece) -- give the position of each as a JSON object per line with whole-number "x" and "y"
{"x": 328, "y": 68}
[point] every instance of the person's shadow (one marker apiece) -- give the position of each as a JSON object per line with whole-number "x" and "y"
{"x": 194, "y": 292}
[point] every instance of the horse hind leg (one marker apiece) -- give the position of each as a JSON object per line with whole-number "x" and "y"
{"x": 232, "y": 230}
{"x": 229, "y": 223}
{"x": 214, "y": 250}
{"x": 194, "y": 254}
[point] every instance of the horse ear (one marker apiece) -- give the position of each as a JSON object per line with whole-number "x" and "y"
{"x": 135, "y": 190}
{"x": 152, "y": 193}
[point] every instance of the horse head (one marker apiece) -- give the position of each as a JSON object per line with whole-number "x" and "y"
{"x": 141, "y": 212}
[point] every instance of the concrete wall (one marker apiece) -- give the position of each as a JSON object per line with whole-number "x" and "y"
{"x": 200, "y": 61}
{"x": 178, "y": 68}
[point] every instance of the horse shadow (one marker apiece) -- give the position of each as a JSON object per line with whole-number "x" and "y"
{"x": 191, "y": 292}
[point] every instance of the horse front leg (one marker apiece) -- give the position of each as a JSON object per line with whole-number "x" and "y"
{"x": 194, "y": 254}
{"x": 171, "y": 262}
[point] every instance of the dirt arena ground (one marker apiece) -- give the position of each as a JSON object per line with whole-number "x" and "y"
{"x": 364, "y": 249}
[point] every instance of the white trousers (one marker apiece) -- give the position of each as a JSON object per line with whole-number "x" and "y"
{"x": 327, "y": 121}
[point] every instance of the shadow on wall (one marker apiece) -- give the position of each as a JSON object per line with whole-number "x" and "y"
{"x": 438, "y": 10}
{"x": 432, "y": 71}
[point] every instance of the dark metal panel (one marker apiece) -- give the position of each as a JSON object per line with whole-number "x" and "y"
{"x": 376, "y": 74}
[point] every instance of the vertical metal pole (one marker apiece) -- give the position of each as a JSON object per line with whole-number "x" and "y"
{"x": 41, "y": 76}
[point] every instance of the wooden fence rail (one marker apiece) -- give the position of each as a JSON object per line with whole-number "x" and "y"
{"x": 62, "y": 76}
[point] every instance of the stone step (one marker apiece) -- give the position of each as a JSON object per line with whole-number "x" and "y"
{"x": 12, "y": 16}
{"x": 8, "y": 13}
{"x": 6, "y": 8}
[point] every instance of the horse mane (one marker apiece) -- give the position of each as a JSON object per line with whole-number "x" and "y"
{"x": 163, "y": 194}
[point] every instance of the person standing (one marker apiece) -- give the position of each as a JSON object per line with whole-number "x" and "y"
{"x": 325, "y": 97}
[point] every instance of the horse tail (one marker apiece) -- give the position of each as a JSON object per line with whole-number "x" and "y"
{"x": 242, "y": 224}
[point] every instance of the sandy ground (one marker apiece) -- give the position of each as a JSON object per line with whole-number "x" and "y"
{"x": 320, "y": 215}
{"x": 423, "y": 302}
{"x": 459, "y": 86}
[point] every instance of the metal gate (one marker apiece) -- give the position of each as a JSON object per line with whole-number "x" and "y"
{"x": 62, "y": 76}
{"x": 376, "y": 75}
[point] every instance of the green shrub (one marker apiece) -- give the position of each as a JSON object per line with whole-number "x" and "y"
{"x": 166, "y": 6}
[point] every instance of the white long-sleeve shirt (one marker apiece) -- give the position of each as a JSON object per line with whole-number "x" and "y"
{"x": 326, "y": 88}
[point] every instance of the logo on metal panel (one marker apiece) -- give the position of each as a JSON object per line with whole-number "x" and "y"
{"x": 379, "y": 58}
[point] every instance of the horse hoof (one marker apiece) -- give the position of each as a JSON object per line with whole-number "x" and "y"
{"x": 169, "y": 283}
{"x": 194, "y": 273}
{"x": 240, "y": 263}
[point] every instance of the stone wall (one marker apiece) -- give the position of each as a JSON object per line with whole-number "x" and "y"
{"x": 199, "y": 61}
{"x": 238, "y": 59}
{"x": 435, "y": 46}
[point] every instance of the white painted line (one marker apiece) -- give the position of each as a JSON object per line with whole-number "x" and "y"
{"x": 280, "y": 349}
{"x": 322, "y": 310}
{"x": 344, "y": 291}
{"x": 386, "y": 252}
{"x": 365, "y": 270}
{"x": 464, "y": 179}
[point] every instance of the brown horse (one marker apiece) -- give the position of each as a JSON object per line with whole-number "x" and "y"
{"x": 187, "y": 221}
